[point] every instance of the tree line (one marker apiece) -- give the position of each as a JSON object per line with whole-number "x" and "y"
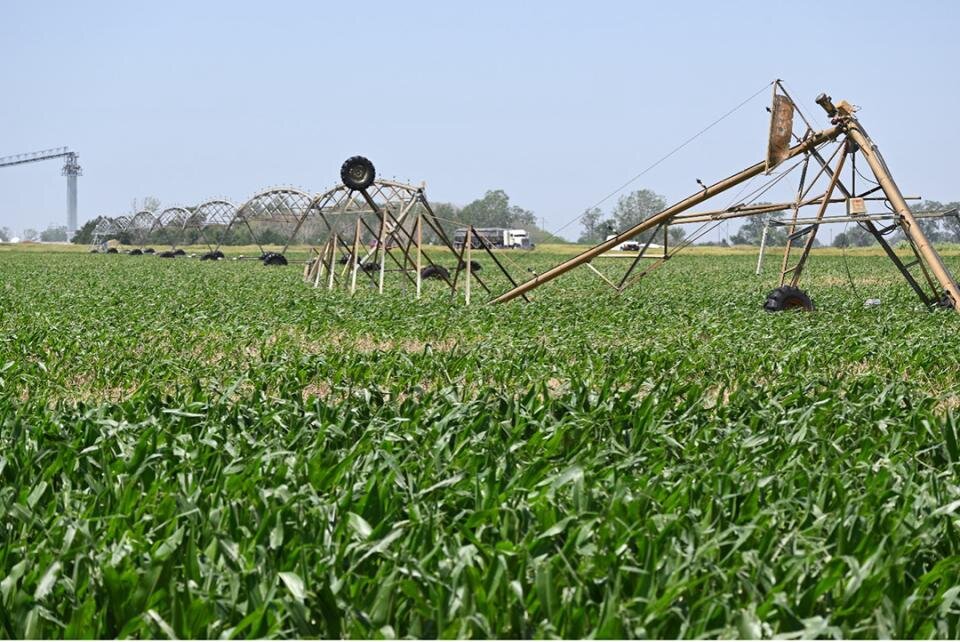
{"x": 635, "y": 207}
{"x": 629, "y": 210}
{"x": 53, "y": 234}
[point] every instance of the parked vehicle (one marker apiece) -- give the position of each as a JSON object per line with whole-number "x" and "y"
{"x": 494, "y": 237}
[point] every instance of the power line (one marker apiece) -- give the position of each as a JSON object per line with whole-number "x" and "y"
{"x": 666, "y": 156}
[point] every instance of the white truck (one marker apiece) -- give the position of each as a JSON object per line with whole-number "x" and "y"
{"x": 495, "y": 237}
{"x": 630, "y": 245}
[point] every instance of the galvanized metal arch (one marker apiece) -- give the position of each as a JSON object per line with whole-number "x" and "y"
{"x": 173, "y": 217}
{"x": 122, "y": 222}
{"x": 344, "y": 200}
{"x": 283, "y": 204}
{"x": 140, "y": 226}
{"x": 107, "y": 226}
{"x": 341, "y": 208}
{"x": 169, "y": 224}
{"x": 142, "y": 220}
{"x": 214, "y": 213}
{"x": 275, "y": 205}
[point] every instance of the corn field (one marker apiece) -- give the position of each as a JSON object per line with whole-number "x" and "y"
{"x": 217, "y": 450}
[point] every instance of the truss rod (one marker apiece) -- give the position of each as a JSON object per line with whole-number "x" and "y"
{"x": 861, "y": 219}
{"x": 665, "y": 216}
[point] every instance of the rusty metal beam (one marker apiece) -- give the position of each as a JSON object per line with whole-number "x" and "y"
{"x": 666, "y": 215}
{"x": 843, "y": 114}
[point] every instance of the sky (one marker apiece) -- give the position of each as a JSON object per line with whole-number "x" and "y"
{"x": 557, "y": 103}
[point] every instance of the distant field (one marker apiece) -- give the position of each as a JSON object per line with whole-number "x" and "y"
{"x": 946, "y": 249}
{"x": 217, "y": 450}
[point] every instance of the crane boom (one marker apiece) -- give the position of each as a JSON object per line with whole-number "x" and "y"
{"x": 71, "y": 169}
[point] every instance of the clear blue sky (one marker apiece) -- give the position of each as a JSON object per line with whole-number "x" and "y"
{"x": 557, "y": 103}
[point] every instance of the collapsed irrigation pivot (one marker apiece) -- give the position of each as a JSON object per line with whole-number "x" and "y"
{"x": 400, "y": 212}
{"x": 376, "y": 227}
{"x": 932, "y": 282}
{"x": 224, "y": 449}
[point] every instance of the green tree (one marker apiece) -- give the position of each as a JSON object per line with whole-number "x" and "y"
{"x": 931, "y": 226}
{"x": 54, "y": 234}
{"x": 951, "y": 224}
{"x": 593, "y": 227}
{"x": 4, "y": 234}
{"x": 494, "y": 210}
{"x": 853, "y": 236}
{"x": 635, "y": 207}
{"x": 84, "y": 235}
{"x": 676, "y": 234}
{"x": 751, "y": 231}
{"x": 447, "y": 216}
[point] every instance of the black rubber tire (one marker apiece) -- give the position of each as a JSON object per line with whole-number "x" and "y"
{"x": 787, "y": 297}
{"x": 343, "y": 260}
{"x": 474, "y": 266}
{"x": 136, "y": 252}
{"x": 112, "y": 250}
{"x": 435, "y": 272}
{"x": 372, "y": 266}
{"x": 149, "y": 250}
{"x": 945, "y": 301}
{"x": 275, "y": 259}
{"x": 357, "y": 173}
{"x": 167, "y": 255}
{"x": 180, "y": 252}
{"x": 208, "y": 257}
{"x": 217, "y": 254}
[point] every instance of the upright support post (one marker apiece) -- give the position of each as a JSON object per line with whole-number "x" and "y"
{"x": 381, "y": 245}
{"x": 763, "y": 246}
{"x": 355, "y": 259}
{"x": 469, "y": 241}
{"x": 812, "y": 235}
{"x": 333, "y": 261}
{"x": 795, "y": 213}
{"x": 419, "y": 251}
{"x": 321, "y": 266}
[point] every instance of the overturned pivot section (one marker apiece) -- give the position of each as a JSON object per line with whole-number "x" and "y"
{"x": 375, "y": 228}
{"x": 826, "y": 162}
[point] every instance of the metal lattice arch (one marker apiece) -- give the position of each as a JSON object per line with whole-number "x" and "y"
{"x": 284, "y": 207}
{"x": 211, "y": 220}
{"x": 393, "y": 217}
{"x": 398, "y": 198}
{"x": 106, "y": 228}
{"x": 340, "y": 207}
{"x": 169, "y": 224}
{"x": 140, "y": 226}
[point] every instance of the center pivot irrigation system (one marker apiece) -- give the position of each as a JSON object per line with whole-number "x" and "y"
{"x": 376, "y": 226}
{"x": 393, "y": 215}
{"x": 820, "y": 158}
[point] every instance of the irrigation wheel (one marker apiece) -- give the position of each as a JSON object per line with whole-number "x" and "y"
{"x": 357, "y": 173}
{"x": 435, "y": 272}
{"x": 274, "y": 258}
{"x": 787, "y": 297}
